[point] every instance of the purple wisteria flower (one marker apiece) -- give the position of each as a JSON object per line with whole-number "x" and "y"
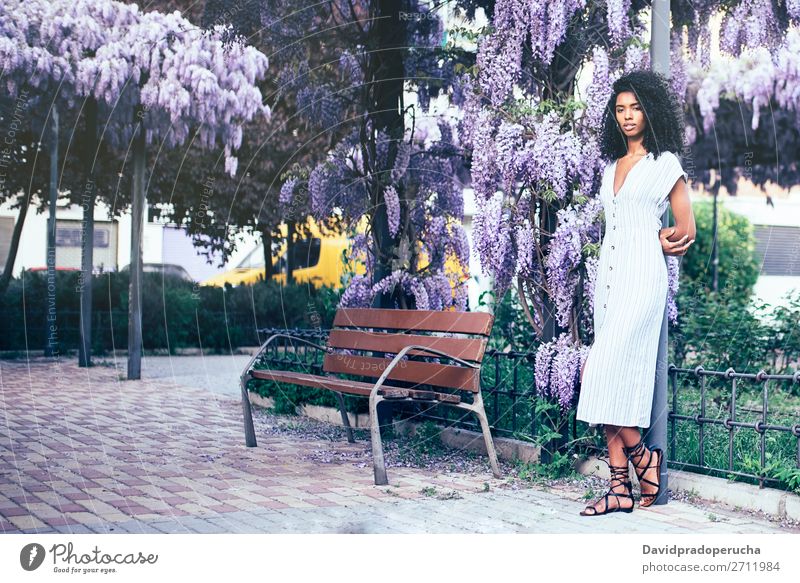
{"x": 408, "y": 283}
{"x": 599, "y": 89}
{"x": 749, "y": 24}
{"x": 557, "y": 366}
{"x": 552, "y": 158}
{"x": 392, "y": 209}
{"x": 525, "y": 249}
{"x": 588, "y": 293}
{"x": 358, "y": 294}
{"x": 287, "y": 193}
{"x": 618, "y": 20}
{"x": 673, "y": 279}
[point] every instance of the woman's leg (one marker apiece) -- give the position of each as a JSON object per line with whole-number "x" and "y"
{"x": 618, "y": 459}
{"x": 643, "y": 458}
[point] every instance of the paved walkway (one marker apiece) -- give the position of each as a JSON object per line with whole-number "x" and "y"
{"x": 82, "y": 450}
{"x": 218, "y": 374}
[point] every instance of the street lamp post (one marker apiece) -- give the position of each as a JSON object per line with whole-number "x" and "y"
{"x": 656, "y": 435}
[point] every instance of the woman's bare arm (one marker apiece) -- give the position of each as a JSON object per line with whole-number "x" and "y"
{"x": 676, "y": 240}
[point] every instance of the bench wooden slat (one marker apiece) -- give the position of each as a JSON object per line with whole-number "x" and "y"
{"x": 345, "y": 386}
{"x": 464, "y": 348}
{"x": 440, "y": 375}
{"x": 416, "y": 320}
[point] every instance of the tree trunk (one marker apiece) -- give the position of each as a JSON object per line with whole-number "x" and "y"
{"x": 14, "y": 247}
{"x": 88, "y": 200}
{"x": 291, "y": 229}
{"x": 51, "y": 321}
{"x": 139, "y": 204}
{"x": 266, "y": 239}
{"x": 385, "y": 107}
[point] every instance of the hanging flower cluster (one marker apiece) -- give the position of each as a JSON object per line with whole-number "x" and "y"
{"x": 755, "y": 77}
{"x": 149, "y": 67}
{"x": 577, "y": 227}
{"x": 540, "y": 25}
{"x": 557, "y": 368}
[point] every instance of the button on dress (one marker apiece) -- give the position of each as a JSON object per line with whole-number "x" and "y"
{"x": 630, "y": 295}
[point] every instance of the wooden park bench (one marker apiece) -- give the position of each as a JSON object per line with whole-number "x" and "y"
{"x": 437, "y": 360}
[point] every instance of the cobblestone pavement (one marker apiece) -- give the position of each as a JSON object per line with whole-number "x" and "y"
{"x": 82, "y": 450}
{"x": 218, "y": 374}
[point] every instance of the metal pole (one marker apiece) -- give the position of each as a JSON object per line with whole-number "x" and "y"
{"x": 656, "y": 434}
{"x": 135, "y": 285}
{"x": 714, "y": 254}
{"x": 51, "y": 327}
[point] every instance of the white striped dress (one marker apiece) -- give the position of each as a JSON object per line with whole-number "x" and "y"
{"x": 630, "y": 295}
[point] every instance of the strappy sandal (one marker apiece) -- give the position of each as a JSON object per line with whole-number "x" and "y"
{"x": 620, "y": 475}
{"x": 638, "y": 451}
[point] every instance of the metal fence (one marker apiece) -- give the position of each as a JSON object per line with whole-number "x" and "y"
{"x": 723, "y": 423}
{"x": 731, "y": 416}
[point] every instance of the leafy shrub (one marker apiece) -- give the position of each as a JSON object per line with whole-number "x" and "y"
{"x": 175, "y": 313}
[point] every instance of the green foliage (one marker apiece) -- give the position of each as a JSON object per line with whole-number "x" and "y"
{"x": 736, "y": 244}
{"x": 557, "y": 456}
{"x": 787, "y": 474}
{"x": 718, "y": 330}
{"x": 175, "y": 313}
{"x": 559, "y": 466}
{"x": 427, "y": 438}
{"x": 168, "y": 311}
{"x": 728, "y": 328}
{"x": 784, "y": 340}
{"x": 722, "y": 329}
{"x": 511, "y": 329}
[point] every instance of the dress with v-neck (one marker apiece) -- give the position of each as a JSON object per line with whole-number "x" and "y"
{"x": 630, "y": 294}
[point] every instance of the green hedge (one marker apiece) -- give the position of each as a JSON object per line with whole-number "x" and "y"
{"x": 175, "y": 313}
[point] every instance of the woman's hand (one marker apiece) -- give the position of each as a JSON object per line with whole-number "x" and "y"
{"x": 678, "y": 247}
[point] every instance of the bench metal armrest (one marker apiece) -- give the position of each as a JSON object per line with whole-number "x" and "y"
{"x": 398, "y": 357}
{"x": 249, "y": 367}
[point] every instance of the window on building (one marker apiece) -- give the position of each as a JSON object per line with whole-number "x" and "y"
{"x": 778, "y": 249}
{"x": 306, "y": 253}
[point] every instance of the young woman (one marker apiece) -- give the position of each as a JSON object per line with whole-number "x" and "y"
{"x": 641, "y": 136}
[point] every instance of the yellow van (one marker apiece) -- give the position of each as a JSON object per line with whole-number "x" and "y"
{"x": 320, "y": 259}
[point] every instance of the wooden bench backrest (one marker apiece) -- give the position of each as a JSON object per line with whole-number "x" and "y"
{"x": 359, "y": 330}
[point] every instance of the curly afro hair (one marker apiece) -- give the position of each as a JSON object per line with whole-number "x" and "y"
{"x": 664, "y": 121}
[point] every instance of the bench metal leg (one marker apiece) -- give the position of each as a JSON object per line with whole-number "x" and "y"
{"x": 249, "y": 430}
{"x": 480, "y": 412}
{"x": 345, "y": 418}
{"x": 378, "y": 463}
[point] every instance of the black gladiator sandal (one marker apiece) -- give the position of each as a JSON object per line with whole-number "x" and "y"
{"x": 638, "y": 451}
{"x": 620, "y": 475}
